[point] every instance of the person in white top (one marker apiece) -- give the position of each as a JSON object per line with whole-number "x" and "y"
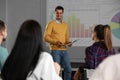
{"x": 45, "y": 69}
{"x": 109, "y": 69}
{"x": 28, "y": 60}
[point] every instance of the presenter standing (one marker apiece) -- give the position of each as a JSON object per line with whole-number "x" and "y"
{"x": 57, "y": 35}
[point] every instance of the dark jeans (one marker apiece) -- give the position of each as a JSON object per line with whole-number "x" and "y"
{"x": 62, "y": 58}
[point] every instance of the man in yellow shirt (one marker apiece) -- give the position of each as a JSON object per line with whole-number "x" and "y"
{"x": 57, "y": 35}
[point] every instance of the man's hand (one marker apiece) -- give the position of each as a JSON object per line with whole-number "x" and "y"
{"x": 59, "y": 44}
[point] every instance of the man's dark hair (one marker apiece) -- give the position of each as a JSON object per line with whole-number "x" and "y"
{"x": 59, "y": 8}
{"x": 2, "y": 25}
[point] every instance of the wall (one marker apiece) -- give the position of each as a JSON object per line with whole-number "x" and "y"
{"x": 3, "y": 10}
{"x": 20, "y": 10}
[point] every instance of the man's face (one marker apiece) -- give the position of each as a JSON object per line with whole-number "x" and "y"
{"x": 59, "y": 14}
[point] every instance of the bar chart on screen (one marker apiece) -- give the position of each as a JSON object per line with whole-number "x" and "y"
{"x": 77, "y": 29}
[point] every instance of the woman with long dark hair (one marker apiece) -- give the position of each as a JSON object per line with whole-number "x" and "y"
{"x": 27, "y": 60}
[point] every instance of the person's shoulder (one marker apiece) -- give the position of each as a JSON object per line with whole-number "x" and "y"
{"x": 52, "y": 22}
{"x": 2, "y": 49}
{"x": 65, "y": 23}
{"x": 45, "y": 55}
{"x": 87, "y": 49}
{"x": 95, "y": 45}
{"x": 111, "y": 60}
{"x": 90, "y": 47}
{"x": 113, "y": 57}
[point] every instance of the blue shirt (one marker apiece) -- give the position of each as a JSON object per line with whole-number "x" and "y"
{"x": 3, "y": 56}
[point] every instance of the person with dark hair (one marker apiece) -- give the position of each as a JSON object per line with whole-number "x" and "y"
{"x": 98, "y": 51}
{"x": 3, "y": 51}
{"x": 59, "y": 8}
{"x": 57, "y": 35}
{"x": 27, "y": 60}
{"x": 101, "y": 48}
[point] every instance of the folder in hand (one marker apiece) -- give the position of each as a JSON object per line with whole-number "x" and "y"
{"x": 72, "y": 42}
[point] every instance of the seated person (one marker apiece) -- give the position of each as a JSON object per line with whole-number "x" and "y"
{"x": 3, "y": 51}
{"x": 27, "y": 60}
{"x": 109, "y": 69}
{"x": 99, "y": 50}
